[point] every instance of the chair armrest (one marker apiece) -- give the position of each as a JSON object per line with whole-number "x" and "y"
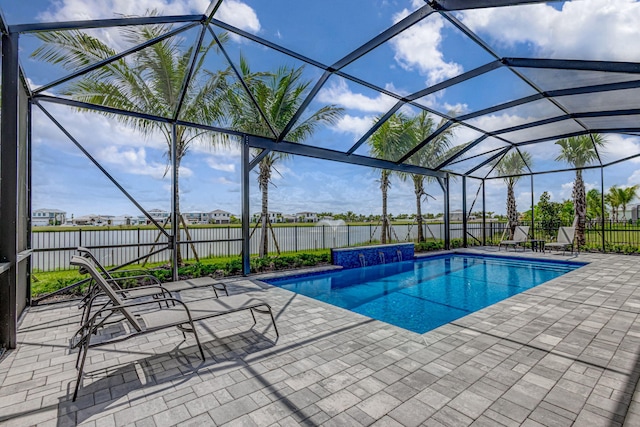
{"x": 161, "y": 289}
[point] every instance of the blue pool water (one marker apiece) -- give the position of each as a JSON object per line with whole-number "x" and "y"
{"x": 426, "y": 293}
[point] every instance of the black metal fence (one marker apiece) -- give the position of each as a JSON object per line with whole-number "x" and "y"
{"x": 53, "y": 249}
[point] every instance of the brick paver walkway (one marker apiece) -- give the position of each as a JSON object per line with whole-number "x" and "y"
{"x": 564, "y": 353}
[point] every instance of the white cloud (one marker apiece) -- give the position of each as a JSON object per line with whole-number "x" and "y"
{"x": 419, "y": 48}
{"x": 339, "y": 93}
{"x": 492, "y": 122}
{"x": 619, "y": 147}
{"x": 72, "y": 10}
{"x": 634, "y": 178}
{"x": 239, "y": 15}
{"x": 434, "y": 101}
{"x": 354, "y": 125}
{"x": 234, "y": 12}
{"x": 134, "y": 161}
{"x": 588, "y": 29}
{"x": 217, "y": 164}
{"x": 90, "y": 129}
{"x": 224, "y": 181}
{"x": 566, "y": 190}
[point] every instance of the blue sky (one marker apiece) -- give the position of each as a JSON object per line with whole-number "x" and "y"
{"x": 428, "y": 53}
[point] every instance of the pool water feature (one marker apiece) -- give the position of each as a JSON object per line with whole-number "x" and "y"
{"x": 422, "y": 294}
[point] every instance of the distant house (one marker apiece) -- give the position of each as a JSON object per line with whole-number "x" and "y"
{"x": 159, "y": 215}
{"x": 458, "y": 215}
{"x": 41, "y": 217}
{"x": 219, "y": 217}
{"x": 196, "y": 217}
{"x": 124, "y": 220}
{"x": 306, "y": 217}
{"x": 274, "y": 217}
{"x": 93, "y": 219}
{"x": 289, "y": 218}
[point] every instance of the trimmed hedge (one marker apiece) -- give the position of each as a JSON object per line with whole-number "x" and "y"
{"x": 437, "y": 245}
{"x": 234, "y": 267}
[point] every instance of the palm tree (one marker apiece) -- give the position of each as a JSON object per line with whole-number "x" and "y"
{"x": 580, "y": 151}
{"x": 429, "y": 156}
{"x": 386, "y": 143}
{"x": 594, "y": 204}
{"x": 150, "y": 80}
{"x": 510, "y": 166}
{"x": 278, "y": 94}
{"x": 612, "y": 198}
{"x": 626, "y": 196}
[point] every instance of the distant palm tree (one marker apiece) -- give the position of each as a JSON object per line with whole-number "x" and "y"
{"x": 612, "y": 198}
{"x": 279, "y": 94}
{"x": 148, "y": 81}
{"x": 594, "y": 204}
{"x": 512, "y": 164}
{"x": 386, "y": 143}
{"x": 580, "y": 151}
{"x": 429, "y": 156}
{"x": 626, "y": 196}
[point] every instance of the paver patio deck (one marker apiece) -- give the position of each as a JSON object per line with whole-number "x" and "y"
{"x": 564, "y": 353}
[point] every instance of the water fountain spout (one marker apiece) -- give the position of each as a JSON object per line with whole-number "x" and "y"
{"x": 381, "y": 255}
{"x": 363, "y": 261}
{"x": 399, "y": 253}
{"x": 333, "y": 223}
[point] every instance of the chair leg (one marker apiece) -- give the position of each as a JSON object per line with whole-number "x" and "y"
{"x": 273, "y": 320}
{"x": 80, "y": 348}
{"x": 81, "y": 369}
{"x": 195, "y": 334}
{"x": 265, "y": 311}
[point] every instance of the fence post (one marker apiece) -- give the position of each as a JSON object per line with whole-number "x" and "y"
{"x": 370, "y": 236}
{"x": 323, "y": 244}
{"x": 295, "y": 235}
{"x": 80, "y": 237}
{"x": 181, "y": 240}
{"x": 491, "y": 231}
{"x": 228, "y": 240}
{"x": 138, "y": 242}
{"x": 348, "y": 235}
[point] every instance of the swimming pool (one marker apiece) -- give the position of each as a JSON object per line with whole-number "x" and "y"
{"x": 423, "y": 294}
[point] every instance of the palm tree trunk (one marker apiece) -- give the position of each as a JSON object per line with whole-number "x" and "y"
{"x": 418, "y": 184}
{"x": 384, "y": 186}
{"x": 579, "y": 200}
{"x": 512, "y": 211}
{"x": 263, "y": 180}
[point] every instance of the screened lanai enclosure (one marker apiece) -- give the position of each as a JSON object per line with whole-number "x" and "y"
{"x": 483, "y": 93}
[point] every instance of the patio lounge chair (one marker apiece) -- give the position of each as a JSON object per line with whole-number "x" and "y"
{"x": 177, "y": 286}
{"x": 521, "y": 235}
{"x": 119, "y": 312}
{"x": 156, "y": 289}
{"x": 564, "y": 240}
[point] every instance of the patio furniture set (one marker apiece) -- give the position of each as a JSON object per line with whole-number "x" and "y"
{"x": 563, "y": 241}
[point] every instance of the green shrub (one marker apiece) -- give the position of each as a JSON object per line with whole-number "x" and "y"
{"x": 429, "y": 245}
